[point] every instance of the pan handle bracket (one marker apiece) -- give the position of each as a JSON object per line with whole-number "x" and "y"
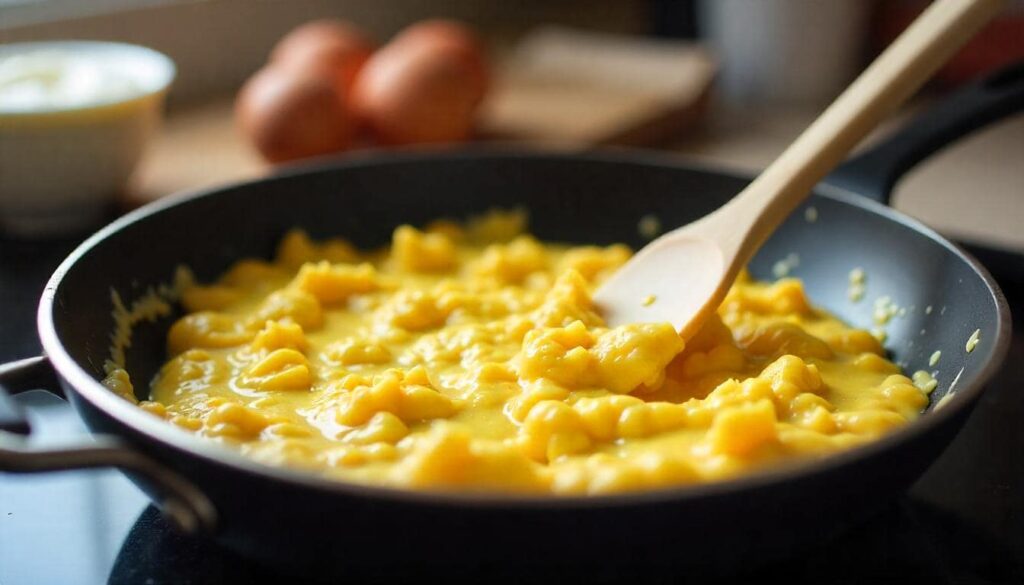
{"x": 181, "y": 502}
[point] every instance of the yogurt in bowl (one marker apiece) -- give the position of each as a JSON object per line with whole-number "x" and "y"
{"x": 75, "y": 117}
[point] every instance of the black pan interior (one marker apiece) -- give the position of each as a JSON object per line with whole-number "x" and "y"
{"x": 584, "y": 199}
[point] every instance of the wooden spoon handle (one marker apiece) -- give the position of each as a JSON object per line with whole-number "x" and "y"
{"x": 904, "y": 66}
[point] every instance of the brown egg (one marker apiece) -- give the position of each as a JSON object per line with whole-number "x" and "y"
{"x": 290, "y": 114}
{"x": 334, "y": 46}
{"x": 460, "y": 37}
{"x": 417, "y": 93}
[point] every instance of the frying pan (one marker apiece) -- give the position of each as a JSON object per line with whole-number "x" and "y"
{"x": 297, "y": 520}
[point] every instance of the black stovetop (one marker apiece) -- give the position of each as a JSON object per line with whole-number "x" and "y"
{"x": 963, "y": 522}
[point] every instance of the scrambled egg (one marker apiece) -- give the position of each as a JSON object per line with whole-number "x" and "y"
{"x": 472, "y": 358}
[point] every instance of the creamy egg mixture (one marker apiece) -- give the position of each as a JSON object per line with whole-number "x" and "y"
{"x": 472, "y": 358}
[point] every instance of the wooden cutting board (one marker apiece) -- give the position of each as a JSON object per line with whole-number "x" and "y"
{"x": 562, "y": 86}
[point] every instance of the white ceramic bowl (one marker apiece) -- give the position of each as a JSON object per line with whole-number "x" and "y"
{"x": 71, "y": 137}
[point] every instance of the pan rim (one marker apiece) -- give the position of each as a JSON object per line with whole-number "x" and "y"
{"x": 180, "y": 441}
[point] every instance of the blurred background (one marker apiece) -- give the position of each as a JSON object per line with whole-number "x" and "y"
{"x": 726, "y": 81}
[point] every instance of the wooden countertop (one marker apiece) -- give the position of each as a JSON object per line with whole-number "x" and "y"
{"x": 974, "y": 190}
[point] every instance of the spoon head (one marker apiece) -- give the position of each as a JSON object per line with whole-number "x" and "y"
{"x": 681, "y": 281}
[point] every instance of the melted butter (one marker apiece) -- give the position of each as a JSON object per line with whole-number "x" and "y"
{"x": 447, "y": 362}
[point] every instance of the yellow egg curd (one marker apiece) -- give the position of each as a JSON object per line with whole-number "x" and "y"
{"x": 472, "y": 358}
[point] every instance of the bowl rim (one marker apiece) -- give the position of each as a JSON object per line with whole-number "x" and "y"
{"x": 168, "y": 72}
{"x": 169, "y": 436}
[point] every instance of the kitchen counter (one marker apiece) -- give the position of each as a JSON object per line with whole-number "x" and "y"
{"x": 972, "y": 190}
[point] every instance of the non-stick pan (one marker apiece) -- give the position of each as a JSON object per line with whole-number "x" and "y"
{"x": 299, "y": 520}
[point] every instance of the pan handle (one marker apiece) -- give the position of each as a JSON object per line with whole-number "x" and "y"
{"x": 875, "y": 172}
{"x": 180, "y": 501}
{"x": 20, "y": 374}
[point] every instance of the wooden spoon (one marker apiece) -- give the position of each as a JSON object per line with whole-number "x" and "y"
{"x": 683, "y": 276}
